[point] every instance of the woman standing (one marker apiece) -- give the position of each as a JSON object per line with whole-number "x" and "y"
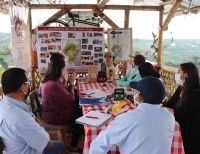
{"x": 58, "y": 98}
{"x": 186, "y": 105}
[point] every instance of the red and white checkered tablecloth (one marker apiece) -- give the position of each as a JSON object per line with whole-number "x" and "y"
{"x": 92, "y": 132}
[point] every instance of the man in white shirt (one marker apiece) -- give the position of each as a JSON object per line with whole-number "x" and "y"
{"x": 148, "y": 129}
{"x": 19, "y": 131}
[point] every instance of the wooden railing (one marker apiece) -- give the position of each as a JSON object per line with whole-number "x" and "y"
{"x": 168, "y": 77}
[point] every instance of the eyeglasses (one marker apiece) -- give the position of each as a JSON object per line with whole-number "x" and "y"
{"x": 28, "y": 83}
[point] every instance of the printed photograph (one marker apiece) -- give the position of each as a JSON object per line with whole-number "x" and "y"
{"x": 43, "y": 61}
{"x": 90, "y": 47}
{"x": 84, "y": 41}
{"x": 84, "y": 47}
{"x": 97, "y": 49}
{"x": 83, "y": 34}
{"x": 98, "y": 34}
{"x": 97, "y": 41}
{"x": 58, "y": 47}
{"x": 51, "y": 47}
{"x": 55, "y": 39}
{"x": 71, "y": 35}
{"x": 86, "y": 53}
{"x": 43, "y": 35}
{"x": 43, "y": 48}
{"x": 44, "y": 41}
{"x": 100, "y": 60}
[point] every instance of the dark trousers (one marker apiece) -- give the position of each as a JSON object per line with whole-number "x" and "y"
{"x": 77, "y": 129}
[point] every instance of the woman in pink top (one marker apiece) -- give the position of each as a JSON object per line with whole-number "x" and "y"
{"x": 58, "y": 97}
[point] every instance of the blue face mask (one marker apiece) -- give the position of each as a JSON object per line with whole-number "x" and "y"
{"x": 178, "y": 79}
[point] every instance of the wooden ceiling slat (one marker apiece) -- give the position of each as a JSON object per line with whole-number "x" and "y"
{"x": 57, "y": 15}
{"x": 106, "y": 19}
{"x": 102, "y": 3}
{"x": 171, "y": 14}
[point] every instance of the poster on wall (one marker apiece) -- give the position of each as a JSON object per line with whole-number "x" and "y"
{"x": 80, "y": 46}
{"x": 120, "y": 43}
{"x": 20, "y": 41}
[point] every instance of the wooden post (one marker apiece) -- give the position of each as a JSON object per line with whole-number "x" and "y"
{"x": 126, "y": 18}
{"x": 160, "y": 37}
{"x": 171, "y": 14}
{"x": 30, "y": 44}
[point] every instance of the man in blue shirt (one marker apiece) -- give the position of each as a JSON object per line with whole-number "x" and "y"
{"x": 148, "y": 129}
{"x": 19, "y": 130}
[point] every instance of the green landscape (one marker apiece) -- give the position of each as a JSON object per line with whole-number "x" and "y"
{"x": 175, "y": 52}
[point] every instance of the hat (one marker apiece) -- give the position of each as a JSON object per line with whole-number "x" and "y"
{"x": 151, "y": 89}
{"x": 108, "y": 54}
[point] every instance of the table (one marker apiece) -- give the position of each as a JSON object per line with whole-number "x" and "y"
{"x": 92, "y": 132}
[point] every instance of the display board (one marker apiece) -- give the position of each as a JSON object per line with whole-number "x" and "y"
{"x": 20, "y": 40}
{"x": 120, "y": 42}
{"x": 81, "y": 46}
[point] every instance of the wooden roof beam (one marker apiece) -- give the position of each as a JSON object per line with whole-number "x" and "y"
{"x": 57, "y": 15}
{"x": 102, "y": 3}
{"x": 171, "y": 14}
{"x": 92, "y": 6}
{"x": 132, "y": 7}
{"x": 106, "y": 19}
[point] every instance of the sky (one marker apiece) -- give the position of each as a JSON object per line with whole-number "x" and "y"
{"x": 142, "y": 23}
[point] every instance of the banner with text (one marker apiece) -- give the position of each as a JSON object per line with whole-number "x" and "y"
{"x": 80, "y": 46}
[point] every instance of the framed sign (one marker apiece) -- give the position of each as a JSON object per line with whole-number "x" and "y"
{"x": 80, "y": 46}
{"x": 120, "y": 42}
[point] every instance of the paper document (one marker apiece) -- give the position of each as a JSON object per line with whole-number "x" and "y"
{"x": 95, "y": 93}
{"x": 89, "y": 92}
{"x": 94, "y": 118}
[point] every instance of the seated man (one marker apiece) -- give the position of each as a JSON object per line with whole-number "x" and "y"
{"x": 146, "y": 129}
{"x": 19, "y": 130}
{"x": 111, "y": 70}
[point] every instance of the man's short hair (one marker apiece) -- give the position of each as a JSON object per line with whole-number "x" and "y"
{"x": 12, "y": 79}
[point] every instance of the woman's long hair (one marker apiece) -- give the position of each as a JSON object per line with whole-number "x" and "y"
{"x": 191, "y": 81}
{"x": 56, "y": 65}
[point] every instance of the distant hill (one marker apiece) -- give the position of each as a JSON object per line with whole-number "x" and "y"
{"x": 177, "y": 52}
{"x": 5, "y": 59}
{"x": 174, "y": 53}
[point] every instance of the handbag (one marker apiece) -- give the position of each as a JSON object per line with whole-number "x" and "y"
{"x": 101, "y": 77}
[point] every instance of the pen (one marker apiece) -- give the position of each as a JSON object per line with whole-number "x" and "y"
{"x": 91, "y": 117}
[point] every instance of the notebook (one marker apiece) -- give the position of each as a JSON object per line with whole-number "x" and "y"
{"x": 93, "y": 96}
{"x": 94, "y": 119}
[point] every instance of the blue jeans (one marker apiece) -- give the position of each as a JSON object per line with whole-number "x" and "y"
{"x": 57, "y": 148}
